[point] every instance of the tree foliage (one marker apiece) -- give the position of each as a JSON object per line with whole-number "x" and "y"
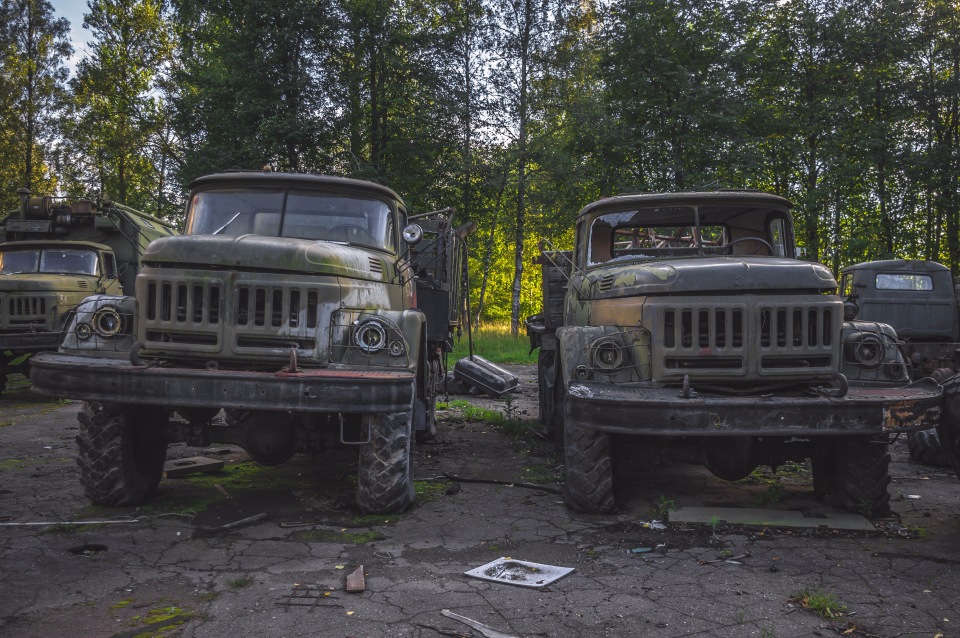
{"x": 517, "y": 112}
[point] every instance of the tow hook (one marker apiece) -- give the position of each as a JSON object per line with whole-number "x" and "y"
{"x": 686, "y": 392}
{"x": 838, "y": 387}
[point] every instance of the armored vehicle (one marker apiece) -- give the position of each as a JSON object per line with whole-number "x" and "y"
{"x": 54, "y": 253}
{"x": 685, "y": 321}
{"x": 919, "y": 300}
{"x": 305, "y": 306}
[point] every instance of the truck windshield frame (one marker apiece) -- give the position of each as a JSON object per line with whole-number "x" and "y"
{"x": 665, "y": 232}
{"x": 299, "y": 213}
{"x": 71, "y": 261}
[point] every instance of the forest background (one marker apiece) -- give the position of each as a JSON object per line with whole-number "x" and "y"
{"x": 516, "y": 112}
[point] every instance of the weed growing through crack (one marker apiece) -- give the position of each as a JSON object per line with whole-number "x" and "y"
{"x": 820, "y": 602}
{"x": 243, "y": 581}
{"x": 773, "y": 494}
{"x": 661, "y": 509}
{"x": 714, "y": 521}
{"x": 770, "y": 632}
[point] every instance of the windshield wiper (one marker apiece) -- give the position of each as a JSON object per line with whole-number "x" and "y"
{"x": 219, "y": 230}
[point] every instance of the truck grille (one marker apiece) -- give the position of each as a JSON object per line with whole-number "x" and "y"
{"x": 799, "y": 338}
{"x": 25, "y": 312}
{"x": 206, "y": 315}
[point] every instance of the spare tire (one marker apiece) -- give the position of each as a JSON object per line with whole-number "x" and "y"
{"x": 925, "y": 448}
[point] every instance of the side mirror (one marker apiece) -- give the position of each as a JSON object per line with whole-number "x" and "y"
{"x": 413, "y": 234}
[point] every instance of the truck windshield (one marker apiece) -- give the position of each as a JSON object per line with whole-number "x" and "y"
{"x": 72, "y": 261}
{"x": 680, "y": 231}
{"x": 292, "y": 213}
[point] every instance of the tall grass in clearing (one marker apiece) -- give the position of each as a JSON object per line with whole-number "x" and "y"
{"x": 493, "y": 342}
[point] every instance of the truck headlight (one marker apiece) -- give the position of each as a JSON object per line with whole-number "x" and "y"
{"x": 607, "y": 354}
{"x": 370, "y": 336}
{"x": 107, "y": 322}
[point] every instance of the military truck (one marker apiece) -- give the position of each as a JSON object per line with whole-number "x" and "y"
{"x": 919, "y": 300}
{"x": 305, "y": 306}
{"x": 685, "y": 323}
{"x": 55, "y": 252}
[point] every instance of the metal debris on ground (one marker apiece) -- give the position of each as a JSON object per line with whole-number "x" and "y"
{"x": 121, "y": 521}
{"x": 306, "y": 596}
{"x": 640, "y": 550}
{"x": 769, "y": 518}
{"x": 486, "y": 630}
{"x": 206, "y": 531}
{"x": 190, "y": 465}
{"x": 733, "y": 560}
{"x": 519, "y": 572}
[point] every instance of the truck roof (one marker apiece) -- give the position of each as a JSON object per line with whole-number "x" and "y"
{"x": 52, "y": 243}
{"x": 915, "y": 265}
{"x": 693, "y": 198}
{"x": 268, "y": 178}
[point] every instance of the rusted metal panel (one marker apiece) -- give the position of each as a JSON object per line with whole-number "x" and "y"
{"x": 663, "y": 411}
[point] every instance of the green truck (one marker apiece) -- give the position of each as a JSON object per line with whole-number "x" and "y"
{"x": 684, "y": 323}
{"x": 314, "y": 310}
{"x": 55, "y": 252}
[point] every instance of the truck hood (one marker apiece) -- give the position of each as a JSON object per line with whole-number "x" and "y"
{"x": 706, "y": 275}
{"x": 48, "y": 282}
{"x": 268, "y": 254}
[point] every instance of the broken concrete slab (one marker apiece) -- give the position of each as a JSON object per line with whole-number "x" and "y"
{"x": 355, "y": 580}
{"x": 190, "y": 465}
{"x": 769, "y": 518}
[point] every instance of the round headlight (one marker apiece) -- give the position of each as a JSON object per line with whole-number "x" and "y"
{"x": 370, "y": 336}
{"x": 396, "y": 348}
{"x": 607, "y": 355}
{"x": 83, "y": 331}
{"x": 107, "y": 322}
{"x": 869, "y": 352}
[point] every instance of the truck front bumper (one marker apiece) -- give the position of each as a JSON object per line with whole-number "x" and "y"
{"x": 662, "y": 411}
{"x": 311, "y": 390}
{"x": 30, "y": 341}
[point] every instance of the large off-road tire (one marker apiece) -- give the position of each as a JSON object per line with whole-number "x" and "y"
{"x": 122, "y": 450}
{"x": 546, "y": 402}
{"x": 925, "y": 448}
{"x": 948, "y": 431}
{"x": 385, "y": 476}
{"x": 860, "y": 476}
{"x": 589, "y": 467}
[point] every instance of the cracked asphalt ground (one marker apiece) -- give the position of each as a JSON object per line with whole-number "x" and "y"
{"x": 170, "y": 573}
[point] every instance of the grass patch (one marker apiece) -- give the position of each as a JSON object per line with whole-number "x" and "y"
{"x": 243, "y": 581}
{"x": 494, "y": 342}
{"x": 243, "y": 476}
{"x": 820, "y": 602}
{"x": 510, "y": 426}
{"x": 428, "y": 491}
{"x": 13, "y": 464}
{"x": 330, "y": 536}
{"x": 542, "y": 474}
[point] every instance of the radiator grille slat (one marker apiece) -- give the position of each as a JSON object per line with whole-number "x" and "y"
{"x": 790, "y": 340}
